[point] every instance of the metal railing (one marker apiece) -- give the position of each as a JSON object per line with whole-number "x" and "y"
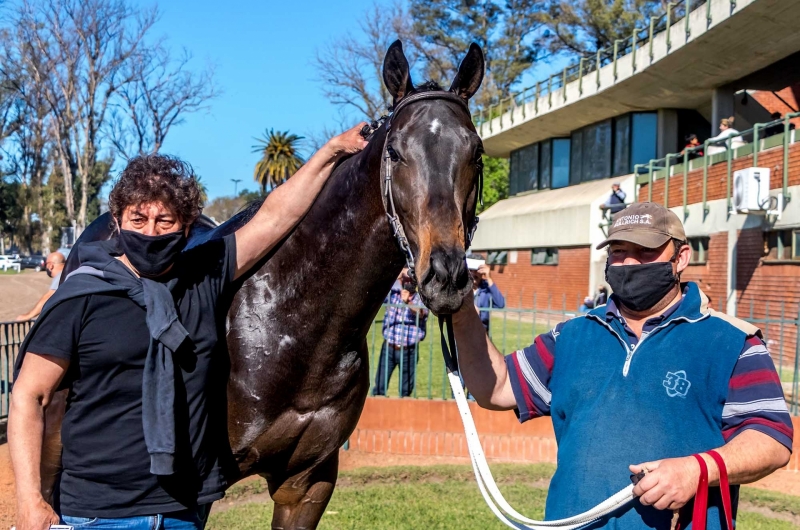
{"x": 760, "y": 138}
{"x": 512, "y": 329}
{"x": 11, "y": 335}
{"x": 641, "y": 41}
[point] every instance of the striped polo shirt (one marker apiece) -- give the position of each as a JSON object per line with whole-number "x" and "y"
{"x": 755, "y": 396}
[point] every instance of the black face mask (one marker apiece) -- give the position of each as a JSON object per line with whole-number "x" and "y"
{"x": 640, "y": 287}
{"x": 151, "y": 255}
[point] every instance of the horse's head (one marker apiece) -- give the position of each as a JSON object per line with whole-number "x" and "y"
{"x": 434, "y": 156}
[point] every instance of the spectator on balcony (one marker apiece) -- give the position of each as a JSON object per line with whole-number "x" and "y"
{"x": 719, "y": 143}
{"x": 404, "y": 327}
{"x": 486, "y": 293}
{"x": 615, "y": 201}
{"x": 776, "y": 128}
{"x": 691, "y": 143}
{"x": 54, "y": 264}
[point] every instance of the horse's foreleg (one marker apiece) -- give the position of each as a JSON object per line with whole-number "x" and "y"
{"x": 300, "y": 500}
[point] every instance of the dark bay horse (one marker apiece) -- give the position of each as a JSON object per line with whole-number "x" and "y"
{"x": 298, "y": 323}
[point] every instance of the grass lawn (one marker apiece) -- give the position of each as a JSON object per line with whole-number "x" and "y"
{"x": 509, "y": 330}
{"x": 444, "y": 497}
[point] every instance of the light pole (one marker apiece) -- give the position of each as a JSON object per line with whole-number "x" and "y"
{"x": 235, "y": 185}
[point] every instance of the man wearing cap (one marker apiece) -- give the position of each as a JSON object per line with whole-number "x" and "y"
{"x": 641, "y": 385}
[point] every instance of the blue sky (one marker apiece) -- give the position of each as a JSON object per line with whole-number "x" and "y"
{"x": 262, "y": 51}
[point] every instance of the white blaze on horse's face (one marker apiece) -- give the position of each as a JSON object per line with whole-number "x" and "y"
{"x": 435, "y": 126}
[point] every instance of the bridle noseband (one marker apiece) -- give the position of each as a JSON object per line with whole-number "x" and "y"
{"x": 386, "y": 181}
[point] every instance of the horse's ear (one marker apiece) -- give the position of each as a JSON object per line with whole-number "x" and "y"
{"x": 396, "y": 73}
{"x": 470, "y": 73}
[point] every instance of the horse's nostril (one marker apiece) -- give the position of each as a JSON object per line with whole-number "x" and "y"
{"x": 449, "y": 268}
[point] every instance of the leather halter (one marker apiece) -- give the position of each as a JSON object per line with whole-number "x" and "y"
{"x": 386, "y": 182}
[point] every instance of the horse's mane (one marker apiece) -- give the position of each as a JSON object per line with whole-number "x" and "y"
{"x": 428, "y": 86}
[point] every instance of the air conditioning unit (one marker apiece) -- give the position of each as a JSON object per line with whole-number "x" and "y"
{"x": 751, "y": 190}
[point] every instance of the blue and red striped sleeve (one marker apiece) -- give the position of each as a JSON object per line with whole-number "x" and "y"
{"x": 755, "y": 397}
{"x": 529, "y": 372}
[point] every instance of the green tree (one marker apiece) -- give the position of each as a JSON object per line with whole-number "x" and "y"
{"x": 581, "y": 27}
{"x": 279, "y": 158}
{"x": 495, "y": 181}
{"x": 509, "y": 32}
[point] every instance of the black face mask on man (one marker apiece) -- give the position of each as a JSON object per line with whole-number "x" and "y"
{"x": 640, "y": 287}
{"x": 151, "y": 255}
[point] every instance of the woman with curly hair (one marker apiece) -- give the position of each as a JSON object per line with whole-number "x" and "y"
{"x": 136, "y": 335}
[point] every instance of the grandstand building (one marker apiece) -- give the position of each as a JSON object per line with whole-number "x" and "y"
{"x": 623, "y": 116}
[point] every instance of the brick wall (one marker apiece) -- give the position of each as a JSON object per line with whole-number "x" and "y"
{"x": 712, "y": 277}
{"x": 430, "y": 427}
{"x": 768, "y": 292}
{"x": 555, "y": 285}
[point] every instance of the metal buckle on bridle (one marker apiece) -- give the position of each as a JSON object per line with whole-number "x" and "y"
{"x": 388, "y": 197}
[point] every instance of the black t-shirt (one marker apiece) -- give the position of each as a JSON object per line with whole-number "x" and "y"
{"x": 106, "y": 466}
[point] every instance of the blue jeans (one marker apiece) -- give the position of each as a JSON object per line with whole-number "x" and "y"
{"x": 184, "y": 520}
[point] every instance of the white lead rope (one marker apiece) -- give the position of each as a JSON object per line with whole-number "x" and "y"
{"x": 491, "y": 494}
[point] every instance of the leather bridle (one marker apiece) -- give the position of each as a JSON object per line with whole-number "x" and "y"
{"x": 386, "y": 180}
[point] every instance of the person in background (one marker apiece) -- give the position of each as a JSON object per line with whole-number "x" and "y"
{"x": 725, "y": 129}
{"x": 587, "y": 305}
{"x": 691, "y": 142}
{"x": 484, "y": 289}
{"x": 54, "y": 265}
{"x": 404, "y": 327}
{"x": 615, "y": 201}
{"x": 601, "y": 297}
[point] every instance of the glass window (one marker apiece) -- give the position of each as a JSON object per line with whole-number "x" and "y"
{"x": 560, "y": 172}
{"x": 513, "y": 173}
{"x": 544, "y": 256}
{"x": 524, "y": 170}
{"x": 597, "y": 151}
{"x": 544, "y": 164}
{"x": 576, "y": 158}
{"x": 622, "y": 146}
{"x": 699, "y": 250}
{"x": 782, "y": 245}
{"x": 643, "y": 137}
{"x": 497, "y": 257}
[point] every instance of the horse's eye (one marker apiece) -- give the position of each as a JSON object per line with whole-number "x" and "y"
{"x": 392, "y": 154}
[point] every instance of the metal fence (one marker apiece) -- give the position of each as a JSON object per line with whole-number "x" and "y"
{"x": 510, "y": 329}
{"x": 513, "y": 329}
{"x": 11, "y": 335}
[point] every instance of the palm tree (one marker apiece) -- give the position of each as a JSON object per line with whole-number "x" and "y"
{"x": 279, "y": 158}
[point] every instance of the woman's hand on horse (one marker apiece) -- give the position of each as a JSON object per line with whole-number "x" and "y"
{"x": 349, "y": 142}
{"x": 668, "y": 484}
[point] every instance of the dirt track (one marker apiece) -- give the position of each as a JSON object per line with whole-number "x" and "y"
{"x": 20, "y": 292}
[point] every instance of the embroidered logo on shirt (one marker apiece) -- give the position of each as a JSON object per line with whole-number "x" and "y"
{"x": 676, "y": 384}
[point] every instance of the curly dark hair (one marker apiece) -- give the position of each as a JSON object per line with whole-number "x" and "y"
{"x": 162, "y": 178}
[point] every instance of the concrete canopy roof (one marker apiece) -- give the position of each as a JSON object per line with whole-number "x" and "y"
{"x": 757, "y": 34}
{"x": 547, "y": 218}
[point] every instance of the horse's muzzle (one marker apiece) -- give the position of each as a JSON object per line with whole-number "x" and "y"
{"x": 446, "y": 282}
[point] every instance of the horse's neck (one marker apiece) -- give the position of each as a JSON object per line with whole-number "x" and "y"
{"x": 347, "y": 229}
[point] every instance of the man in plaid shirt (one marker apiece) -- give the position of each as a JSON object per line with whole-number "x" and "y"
{"x": 404, "y": 326}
